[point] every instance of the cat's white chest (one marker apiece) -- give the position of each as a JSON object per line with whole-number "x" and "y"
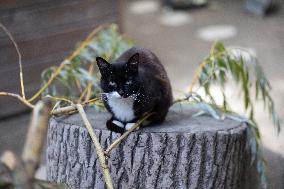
{"x": 122, "y": 108}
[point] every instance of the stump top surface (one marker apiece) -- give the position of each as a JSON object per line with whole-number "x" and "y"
{"x": 178, "y": 120}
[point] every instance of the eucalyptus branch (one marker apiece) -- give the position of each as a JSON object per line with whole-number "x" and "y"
{"x": 99, "y": 150}
{"x": 125, "y": 135}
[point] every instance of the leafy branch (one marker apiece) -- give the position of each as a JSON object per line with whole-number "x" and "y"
{"x": 80, "y": 72}
{"x": 238, "y": 64}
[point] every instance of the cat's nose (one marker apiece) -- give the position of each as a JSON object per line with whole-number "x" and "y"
{"x": 121, "y": 93}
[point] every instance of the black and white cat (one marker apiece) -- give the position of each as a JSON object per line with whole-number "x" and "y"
{"x": 135, "y": 84}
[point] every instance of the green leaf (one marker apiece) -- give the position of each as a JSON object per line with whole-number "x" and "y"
{"x": 219, "y": 47}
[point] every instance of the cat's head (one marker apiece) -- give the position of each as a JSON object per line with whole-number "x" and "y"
{"x": 121, "y": 77}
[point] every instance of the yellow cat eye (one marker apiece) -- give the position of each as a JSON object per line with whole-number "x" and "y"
{"x": 111, "y": 83}
{"x": 128, "y": 82}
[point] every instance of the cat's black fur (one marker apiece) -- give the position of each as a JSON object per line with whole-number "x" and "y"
{"x": 137, "y": 72}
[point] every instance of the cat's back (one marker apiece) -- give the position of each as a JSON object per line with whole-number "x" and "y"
{"x": 147, "y": 59}
{"x": 156, "y": 93}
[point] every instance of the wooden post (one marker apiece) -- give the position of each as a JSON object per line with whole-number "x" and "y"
{"x": 183, "y": 152}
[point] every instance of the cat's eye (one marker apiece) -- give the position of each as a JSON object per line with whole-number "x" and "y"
{"x": 111, "y": 83}
{"x": 128, "y": 82}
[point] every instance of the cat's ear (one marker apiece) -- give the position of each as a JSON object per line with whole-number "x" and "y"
{"x": 103, "y": 65}
{"x": 133, "y": 62}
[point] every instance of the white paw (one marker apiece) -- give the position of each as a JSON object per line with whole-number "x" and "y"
{"x": 119, "y": 124}
{"x": 129, "y": 126}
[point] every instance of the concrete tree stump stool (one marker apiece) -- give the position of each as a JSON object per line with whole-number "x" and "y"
{"x": 183, "y": 152}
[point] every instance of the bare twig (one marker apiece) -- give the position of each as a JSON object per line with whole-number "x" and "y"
{"x": 122, "y": 137}
{"x": 56, "y": 98}
{"x": 99, "y": 150}
{"x": 18, "y": 97}
{"x": 35, "y": 137}
{"x": 82, "y": 94}
{"x": 78, "y": 85}
{"x": 89, "y": 90}
{"x": 69, "y": 109}
{"x": 91, "y": 101}
{"x": 19, "y": 57}
{"x": 64, "y": 110}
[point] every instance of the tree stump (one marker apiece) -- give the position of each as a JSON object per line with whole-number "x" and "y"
{"x": 183, "y": 152}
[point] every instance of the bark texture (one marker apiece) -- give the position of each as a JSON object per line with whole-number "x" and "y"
{"x": 183, "y": 152}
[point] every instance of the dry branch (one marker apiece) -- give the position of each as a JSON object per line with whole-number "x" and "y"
{"x": 64, "y": 110}
{"x": 35, "y": 137}
{"x": 99, "y": 150}
{"x": 56, "y": 98}
{"x": 19, "y": 57}
{"x": 18, "y": 97}
{"x": 122, "y": 137}
{"x": 72, "y": 108}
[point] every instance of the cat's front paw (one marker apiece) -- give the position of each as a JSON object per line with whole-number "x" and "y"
{"x": 115, "y": 126}
{"x": 128, "y": 126}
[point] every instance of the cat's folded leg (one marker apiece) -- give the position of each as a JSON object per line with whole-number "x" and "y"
{"x": 129, "y": 126}
{"x": 115, "y": 126}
